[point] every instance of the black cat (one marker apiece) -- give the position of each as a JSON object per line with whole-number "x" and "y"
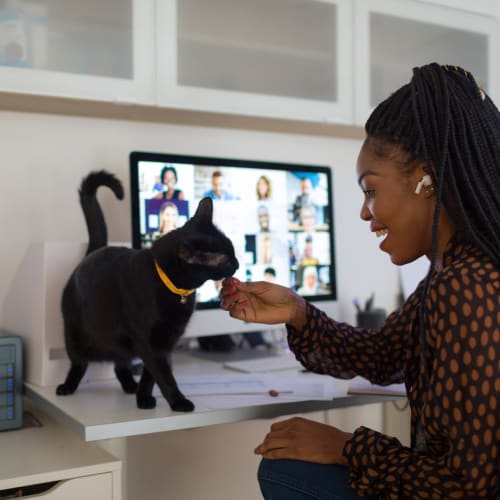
{"x": 120, "y": 304}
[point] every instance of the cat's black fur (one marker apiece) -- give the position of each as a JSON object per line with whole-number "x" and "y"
{"x": 115, "y": 306}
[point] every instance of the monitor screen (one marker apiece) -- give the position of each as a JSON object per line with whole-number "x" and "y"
{"x": 279, "y": 216}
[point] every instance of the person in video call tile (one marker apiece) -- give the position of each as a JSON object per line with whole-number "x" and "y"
{"x": 266, "y": 250}
{"x": 310, "y": 281}
{"x": 304, "y": 198}
{"x": 169, "y": 217}
{"x": 429, "y": 173}
{"x": 307, "y": 218}
{"x": 218, "y": 192}
{"x": 168, "y": 191}
{"x": 264, "y": 188}
{"x": 308, "y": 258}
{"x": 270, "y": 274}
{"x": 263, "y": 218}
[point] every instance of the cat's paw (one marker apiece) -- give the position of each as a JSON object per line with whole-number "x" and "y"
{"x": 182, "y": 404}
{"x": 146, "y": 402}
{"x": 64, "y": 390}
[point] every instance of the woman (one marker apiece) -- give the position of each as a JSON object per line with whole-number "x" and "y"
{"x": 169, "y": 217}
{"x": 308, "y": 258}
{"x": 429, "y": 169}
{"x": 168, "y": 178}
{"x": 263, "y": 189}
{"x": 309, "y": 281}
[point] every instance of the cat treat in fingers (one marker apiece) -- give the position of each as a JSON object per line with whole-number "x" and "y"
{"x": 120, "y": 304}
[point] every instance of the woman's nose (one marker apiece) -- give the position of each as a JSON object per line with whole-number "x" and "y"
{"x": 365, "y": 214}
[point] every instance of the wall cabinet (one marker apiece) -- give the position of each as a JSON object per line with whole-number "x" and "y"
{"x": 395, "y": 36}
{"x": 278, "y": 58}
{"x": 100, "y": 50}
{"x": 308, "y": 60}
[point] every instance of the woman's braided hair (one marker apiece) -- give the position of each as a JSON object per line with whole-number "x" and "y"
{"x": 443, "y": 119}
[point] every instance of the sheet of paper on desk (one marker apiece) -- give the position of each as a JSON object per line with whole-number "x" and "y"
{"x": 238, "y": 390}
{"x": 359, "y": 385}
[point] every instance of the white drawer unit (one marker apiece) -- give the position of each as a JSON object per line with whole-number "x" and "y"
{"x": 45, "y": 460}
{"x": 97, "y": 487}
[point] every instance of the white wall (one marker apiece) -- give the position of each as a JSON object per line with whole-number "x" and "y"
{"x": 44, "y": 157}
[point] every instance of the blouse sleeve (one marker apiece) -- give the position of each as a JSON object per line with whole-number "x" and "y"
{"x": 326, "y": 346}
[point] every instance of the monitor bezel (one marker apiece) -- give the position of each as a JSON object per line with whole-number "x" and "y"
{"x": 136, "y": 157}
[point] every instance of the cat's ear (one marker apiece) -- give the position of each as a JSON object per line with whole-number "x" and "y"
{"x": 204, "y": 211}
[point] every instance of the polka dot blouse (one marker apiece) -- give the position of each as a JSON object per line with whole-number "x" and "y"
{"x": 455, "y": 407}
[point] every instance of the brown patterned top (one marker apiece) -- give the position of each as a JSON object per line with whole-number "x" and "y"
{"x": 456, "y": 414}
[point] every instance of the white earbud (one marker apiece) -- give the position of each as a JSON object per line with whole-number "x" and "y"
{"x": 425, "y": 181}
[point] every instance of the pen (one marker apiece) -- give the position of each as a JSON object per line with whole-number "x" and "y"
{"x": 271, "y": 392}
{"x": 275, "y": 394}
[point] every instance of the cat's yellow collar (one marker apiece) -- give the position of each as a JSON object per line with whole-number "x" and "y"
{"x": 183, "y": 293}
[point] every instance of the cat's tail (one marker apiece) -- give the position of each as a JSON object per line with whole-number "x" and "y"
{"x": 94, "y": 218}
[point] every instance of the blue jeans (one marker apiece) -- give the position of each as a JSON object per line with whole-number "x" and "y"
{"x": 298, "y": 480}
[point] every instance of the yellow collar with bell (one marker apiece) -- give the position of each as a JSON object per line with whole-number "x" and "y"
{"x": 183, "y": 293}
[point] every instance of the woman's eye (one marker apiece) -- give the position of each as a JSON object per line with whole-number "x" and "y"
{"x": 369, "y": 193}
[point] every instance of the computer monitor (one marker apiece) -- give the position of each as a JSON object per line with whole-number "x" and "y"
{"x": 279, "y": 217}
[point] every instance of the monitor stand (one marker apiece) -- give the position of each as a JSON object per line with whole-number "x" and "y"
{"x": 239, "y": 347}
{"x": 237, "y": 354}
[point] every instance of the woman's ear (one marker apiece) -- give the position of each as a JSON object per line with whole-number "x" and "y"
{"x": 422, "y": 179}
{"x": 424, "y": 182}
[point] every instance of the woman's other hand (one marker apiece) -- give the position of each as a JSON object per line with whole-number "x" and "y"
{"x": 262, "y": 302}
{"x": 301, "y": 439}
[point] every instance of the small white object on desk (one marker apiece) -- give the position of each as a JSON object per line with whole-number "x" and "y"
{"x": 360, "y": 385}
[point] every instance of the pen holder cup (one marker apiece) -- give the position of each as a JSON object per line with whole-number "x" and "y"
{"x": 371, "y": 319}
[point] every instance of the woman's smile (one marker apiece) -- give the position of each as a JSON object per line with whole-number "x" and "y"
{"x": 382, "y": 233}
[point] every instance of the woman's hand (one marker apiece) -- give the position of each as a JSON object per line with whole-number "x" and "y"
{"x": 301, "y": 439}
{"x": 262, "y": 302}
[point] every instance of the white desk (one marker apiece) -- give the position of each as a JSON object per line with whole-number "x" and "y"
{"x": 100, "y": 410}
{"x": 197, "y": 459}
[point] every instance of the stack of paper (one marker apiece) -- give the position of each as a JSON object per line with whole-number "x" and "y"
{"x": 359, "y": 385}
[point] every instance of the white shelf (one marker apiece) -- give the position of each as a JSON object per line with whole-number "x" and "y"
{"x": 257, "y": 46}
{"x": 35, "y": 455}
{"x": 100, "y": 410}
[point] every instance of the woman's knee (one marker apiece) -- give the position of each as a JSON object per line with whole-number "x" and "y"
{"x": 298, "y": 480}
{"x": 280, "y": 480}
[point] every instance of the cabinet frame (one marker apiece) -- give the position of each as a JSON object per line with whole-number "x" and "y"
{"x": 172, "y": 95}
{"x": 139, "y": 89}
{"x": 420, "y": 11}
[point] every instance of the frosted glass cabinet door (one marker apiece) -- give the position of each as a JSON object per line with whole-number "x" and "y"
{"x": 92, "y": 49}
{"x": 393, "y": 36}
{"x": 275, "y": 58}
